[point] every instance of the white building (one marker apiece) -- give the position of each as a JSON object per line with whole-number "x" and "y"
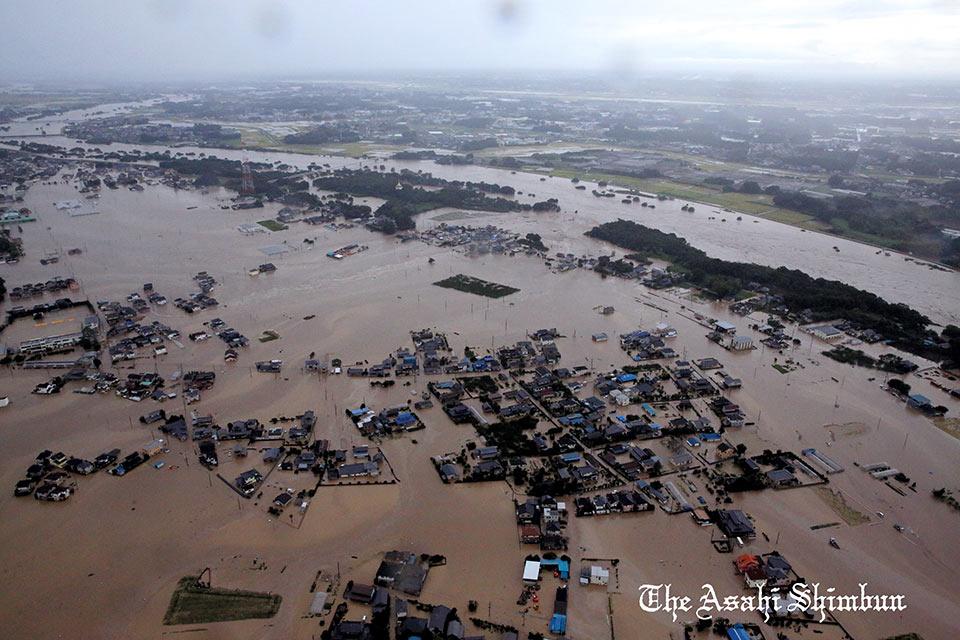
{"x": 595, "y": 575}
{"x": 531, "y": 571}
{"x": 826, "y": 332}
{"x": 725, "y": 327}
{"x": 50, "y": 343}
{"x": 665, "y": 331}
{"x": 620, "y": 398}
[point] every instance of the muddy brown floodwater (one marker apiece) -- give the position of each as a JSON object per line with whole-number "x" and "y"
{"x": 103, "y": 564}
{"x": 895, "y": 277}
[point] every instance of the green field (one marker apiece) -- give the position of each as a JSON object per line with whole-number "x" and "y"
{"x": 760, "y": 205}
{"x": 450, "y": 216}
{"x": 272, "y": 225}
{"x": 258, "y": 139}
{"x": 476, "y": 286}
{"x": 191, "y": 604}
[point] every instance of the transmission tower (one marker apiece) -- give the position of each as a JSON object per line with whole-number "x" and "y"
{"x": 246, "y": 179}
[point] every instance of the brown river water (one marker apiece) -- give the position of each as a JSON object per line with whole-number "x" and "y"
{"x": 106, "y": 561}
{"x": 933, "y": 292}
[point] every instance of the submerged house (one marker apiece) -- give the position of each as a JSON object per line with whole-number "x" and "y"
{"x": 734, "y": 523}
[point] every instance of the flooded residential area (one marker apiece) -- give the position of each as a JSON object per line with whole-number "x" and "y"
{"x": 464, "y": 357}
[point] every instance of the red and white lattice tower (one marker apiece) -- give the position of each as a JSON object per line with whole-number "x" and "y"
{"x": 246, "y": 179}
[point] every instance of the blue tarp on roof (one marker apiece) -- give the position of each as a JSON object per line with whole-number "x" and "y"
{"x": 626, "y": 377}
{"x": 562, "y": 567}
{"x": 405, "y": 418}
{"x": 558, "y": 623}
{"x": 648, "y": 409}
{"x": 737, "y": 632}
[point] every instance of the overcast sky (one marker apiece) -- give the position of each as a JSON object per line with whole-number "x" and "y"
{"x": 210, "y": 39}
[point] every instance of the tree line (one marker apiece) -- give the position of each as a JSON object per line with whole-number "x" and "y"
{"x": 821, "y": 299}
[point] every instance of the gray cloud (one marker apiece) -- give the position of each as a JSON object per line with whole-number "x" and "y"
{"x": 204, "y": 39}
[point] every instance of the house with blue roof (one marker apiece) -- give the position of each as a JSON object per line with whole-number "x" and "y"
{"x": 405, "y": 418}
{"x": 562, "y": 567}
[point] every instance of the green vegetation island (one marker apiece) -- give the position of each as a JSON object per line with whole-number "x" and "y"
{"x": 818, "y": 298}
{"x": 272, "y": 225}
{"x": 195, "y": 603}
{"x": 470, "y": 284}
{"x": 406, "y": 195}
{"x": 887, "y": 362}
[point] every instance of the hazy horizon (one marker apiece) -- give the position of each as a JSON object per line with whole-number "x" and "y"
{"x": 178, "y": 40}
